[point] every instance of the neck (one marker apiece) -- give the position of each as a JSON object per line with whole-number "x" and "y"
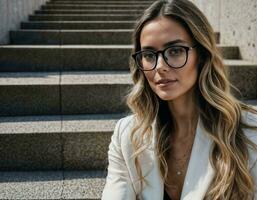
{"x": 185, "y": 114}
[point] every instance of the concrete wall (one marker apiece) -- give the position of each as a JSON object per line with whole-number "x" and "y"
{"x": 236, "y": 20}
{"x": 12, "y": 12}
{"x": 212, "y": 10}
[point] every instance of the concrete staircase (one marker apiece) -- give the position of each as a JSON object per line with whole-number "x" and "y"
{"x": 63, "y": 79}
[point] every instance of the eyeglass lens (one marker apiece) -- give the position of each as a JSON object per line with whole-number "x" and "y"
{"x": 174, "y": 56}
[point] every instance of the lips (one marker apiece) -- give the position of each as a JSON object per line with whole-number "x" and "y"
{"x": 165, "y": 81}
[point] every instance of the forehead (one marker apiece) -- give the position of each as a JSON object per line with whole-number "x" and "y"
{"x": 161, "y": 30}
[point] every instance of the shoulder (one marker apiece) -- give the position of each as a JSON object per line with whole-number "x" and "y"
{"x": 250, "y": 118}
{"x": 126, "y": 122}
{"x": 123, "y": 128}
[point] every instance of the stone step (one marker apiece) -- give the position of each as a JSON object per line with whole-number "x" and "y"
{"x": 77, "y": 25}
{"x": 52, "y": 93}
{"x": 243, "y": 75}
{"x": 74, "y": 57}
{"x": 73, "y": 142}
{"x": 66, "y": 57}
{"x": 103, "y": 0}
{"x": 150, "y": 1}
{"x": 101, "y": 36}
{"x": 100, "y": 2}
{"x": 77, "y": 185}
{"x": 82, "y": 17}
{"x": 93, "y": 6}
{"x": 86, "y": 11}
{"x": 58, "y": 142}
{"x": 30, "y": 93}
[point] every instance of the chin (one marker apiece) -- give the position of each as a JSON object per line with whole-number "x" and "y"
{"x": 166, "y": 97}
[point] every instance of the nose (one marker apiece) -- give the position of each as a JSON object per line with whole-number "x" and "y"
{"x": 161, "y": 65}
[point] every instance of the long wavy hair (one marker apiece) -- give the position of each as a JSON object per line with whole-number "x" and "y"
{"x": 219, "y": 111}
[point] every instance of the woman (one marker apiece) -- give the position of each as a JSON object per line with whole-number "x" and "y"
{"x": 188, "y": 137}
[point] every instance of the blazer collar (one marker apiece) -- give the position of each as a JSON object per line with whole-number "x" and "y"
{"x": 200, "y": 172}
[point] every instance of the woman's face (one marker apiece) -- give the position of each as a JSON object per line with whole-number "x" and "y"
{"x": 169, "y": 83}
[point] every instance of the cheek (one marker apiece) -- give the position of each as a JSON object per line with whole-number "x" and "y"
{"x": 190, "y": 77}
{"x": 149, "y": 76}
{"x": 150, "y": 79}
{"x": 191, "y": 71}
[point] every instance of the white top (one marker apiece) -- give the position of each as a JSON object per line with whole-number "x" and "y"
{"x": 122, "y": 179}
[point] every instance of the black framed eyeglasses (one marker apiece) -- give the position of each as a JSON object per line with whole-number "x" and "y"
{"x": 175, "y": 56}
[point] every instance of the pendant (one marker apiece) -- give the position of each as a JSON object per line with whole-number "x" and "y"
{"x": 178, "y": 172}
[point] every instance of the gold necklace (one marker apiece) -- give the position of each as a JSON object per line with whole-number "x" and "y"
{"x": 182, "y": 161}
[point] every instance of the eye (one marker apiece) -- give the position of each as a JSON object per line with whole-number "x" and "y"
{"x": 175, "y": 51}
{"x": 148, "y": 56}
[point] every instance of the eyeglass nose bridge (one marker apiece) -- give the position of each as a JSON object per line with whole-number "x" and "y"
{"x": 163, "y": 56}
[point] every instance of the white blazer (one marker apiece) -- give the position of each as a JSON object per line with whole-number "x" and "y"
{"x": 122, "y": 179}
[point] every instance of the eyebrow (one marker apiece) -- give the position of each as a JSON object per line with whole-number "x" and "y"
{"x": 166, "y": 44}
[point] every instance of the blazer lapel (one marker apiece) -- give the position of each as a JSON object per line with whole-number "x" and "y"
{"x": 200, "y": 172}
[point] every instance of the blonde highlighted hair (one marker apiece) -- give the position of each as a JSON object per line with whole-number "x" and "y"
{"x": 219, "y": 110}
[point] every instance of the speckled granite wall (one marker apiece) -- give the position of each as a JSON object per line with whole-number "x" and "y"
{"x": 236, "y": 20}
{"x": 239, "y": 26}
{"x": 212, "y": 11}
{"x": 12, "y": 12}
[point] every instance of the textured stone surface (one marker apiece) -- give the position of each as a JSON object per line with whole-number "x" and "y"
{"x": 99, "y": 36}
{"x": 56, "y": 142}
{"x": 4, "y": 22}
{"x": 85, "y": 11}
{"x": 81, "y": 17}
{"x": 30, "y": 58}
{"x": 86, "y": 140}
{"x": 88, "y": 92}
{"x": 120, "y": 36}
{"x": 239, "y": 26}
{"x": 79, "y": 99}
{"x": 101, "y": 2}
{"x": 95, "y": 78}
{"x": 86, "y": 185}
{"x": 31, "y": 185}
{"x": 94, "y": 92}
{"x": 211, "y": 10}
{"x": 40, "y": 78}
{"x": 96, "y": 57}
{"x": 70, "y": 93}
{"x": 30, "y": 152}
{"x": 244, "y": 78}
{"x": 30, "y": 124}
{"x": 112, "y": 36}
{"x": 81, "y": 185}
{"x": 31, "y": 142}
{"x": 237, "y": 22}
{"x": 73, "y": 57}
{"x": 86, "y": 150}
{"x": 12, "y": 13}
{"x": 229, "y": 52}
{"x": 29, "y": 93}
{"x": 35, "y": 37}
{"x": 89, "y": 123}
{"x": 78, "y": 25}
{"x": 92, "y": 6}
